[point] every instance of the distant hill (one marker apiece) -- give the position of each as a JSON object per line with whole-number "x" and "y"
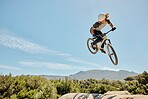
{"x": 96, "y": 74}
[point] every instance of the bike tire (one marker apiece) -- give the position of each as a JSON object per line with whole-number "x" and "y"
{"x": 89, "y": 41}
{"x": 112, "y": 54}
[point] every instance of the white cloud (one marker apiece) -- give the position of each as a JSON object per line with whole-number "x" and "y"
{"x": 48, "y": 65}
{"x": 21, "y": 44}
{"x": 109, "y": 68}
{"x": 30, "y": 47}
{"x": 81, "y": 61}
{"x": 9, "y": 67}
{"x": 63, "y": 54}
{"x": 70, "y": 58}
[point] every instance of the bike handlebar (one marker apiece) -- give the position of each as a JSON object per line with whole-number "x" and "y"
{"x": 107, "y": 32}
{"x": 110, "y": 30}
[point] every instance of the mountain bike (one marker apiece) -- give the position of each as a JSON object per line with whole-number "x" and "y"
{"x": 109, "y": 48}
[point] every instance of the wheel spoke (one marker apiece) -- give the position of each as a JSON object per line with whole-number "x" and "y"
{"x": 89, "y": 41}
{"x": 112, "y": 54}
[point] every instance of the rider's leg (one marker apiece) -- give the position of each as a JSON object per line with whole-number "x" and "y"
{"x": 97, "y": 34}
{"x": 102, "y": 49}
{"x": 97, "y": 40}
{"x": 102, "y": 46}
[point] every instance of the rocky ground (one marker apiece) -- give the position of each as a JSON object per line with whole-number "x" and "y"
{"x": 108, "y": 95}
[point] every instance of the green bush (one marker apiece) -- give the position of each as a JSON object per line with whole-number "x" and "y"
{"x": 26, "y": 87}
{"x": 36, "y": 87}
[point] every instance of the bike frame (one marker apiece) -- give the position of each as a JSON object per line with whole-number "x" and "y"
{"x": 104, "y": 40}
{"x": 109, "y": 49}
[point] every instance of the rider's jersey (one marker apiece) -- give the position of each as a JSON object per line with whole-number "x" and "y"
{"x": 98, "y": 26}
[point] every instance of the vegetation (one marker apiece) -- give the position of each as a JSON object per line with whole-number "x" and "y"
{"x": 36, "y": 87}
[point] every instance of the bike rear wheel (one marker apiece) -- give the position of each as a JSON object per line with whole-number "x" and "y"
{"x": 112, "y": 54}
{"x": 89, "y": 45}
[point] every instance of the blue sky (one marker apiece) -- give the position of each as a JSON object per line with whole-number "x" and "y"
{"x": 49, "y": 36}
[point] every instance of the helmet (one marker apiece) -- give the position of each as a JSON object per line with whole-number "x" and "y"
{"x": 107, "y": 15}
{"x": 101, "y": 17}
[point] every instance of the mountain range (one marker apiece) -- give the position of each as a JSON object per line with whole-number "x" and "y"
{"x": 96, "y": 74}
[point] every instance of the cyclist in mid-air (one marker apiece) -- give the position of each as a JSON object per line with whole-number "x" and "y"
{"x": 95, "y": 30}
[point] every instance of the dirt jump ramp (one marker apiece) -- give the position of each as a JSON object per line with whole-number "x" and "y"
{"x": 108, "y": 95}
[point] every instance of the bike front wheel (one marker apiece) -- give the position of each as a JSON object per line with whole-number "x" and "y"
{"x": 112, "y": 54}
{"x": 89, "y": 45}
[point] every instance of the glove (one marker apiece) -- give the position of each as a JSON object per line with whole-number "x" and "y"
{"x": 114, "y": 28}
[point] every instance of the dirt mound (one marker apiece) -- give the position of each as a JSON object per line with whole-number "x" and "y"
{"x": 108, "y": 95}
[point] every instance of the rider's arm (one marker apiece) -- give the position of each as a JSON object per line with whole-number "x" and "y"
{"x": 92, "y": 30}
{"x": 110, "y": 23}
{"x": 97, "y": 24}
{"x": 113, "y": 28}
